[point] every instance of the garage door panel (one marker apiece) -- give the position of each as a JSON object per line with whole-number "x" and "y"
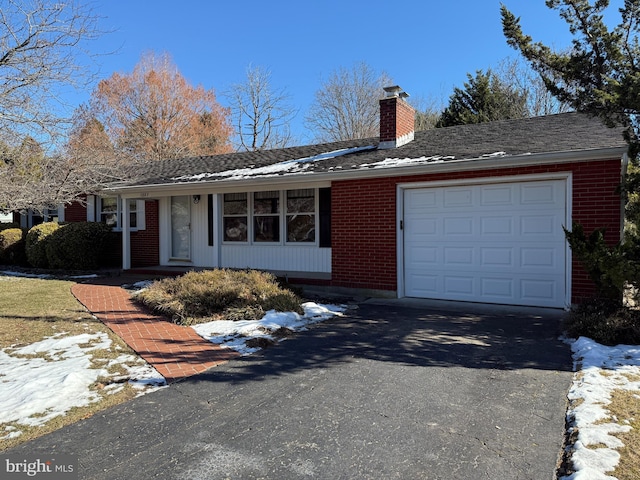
{"x": 498, "y": 195}
{"x": 501, "y": 257}
{"x": 459, "y": 285}
{"x": 458, "y": 197}
{"x": 540, "y": 225}
{"x": 539, "y": 194}
{"x": 458, "y": 226}
{"x": 459, "y": 256}
{"x": 539, "y": 258}
{"x": 423, "y": 256}
{"x": 496, "y": 226}
{"x": 497, "y": 288}
{"x": 508, "y": 247}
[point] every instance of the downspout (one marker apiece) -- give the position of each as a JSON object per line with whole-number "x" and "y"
{"x": 126, "y": 236}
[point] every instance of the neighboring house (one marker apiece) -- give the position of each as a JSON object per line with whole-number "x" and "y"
{"x": 30, "y": 218}
{"x": 467, "y": 213}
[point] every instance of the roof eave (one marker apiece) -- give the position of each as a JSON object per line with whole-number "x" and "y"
{"x": 471, "y": 164}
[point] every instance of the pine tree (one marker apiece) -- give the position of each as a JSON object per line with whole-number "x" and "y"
{"x": 484, "y": 99}
{"x": 600, "y": 75}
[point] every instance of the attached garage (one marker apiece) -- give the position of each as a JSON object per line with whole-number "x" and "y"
{"x": 487, "y": 242}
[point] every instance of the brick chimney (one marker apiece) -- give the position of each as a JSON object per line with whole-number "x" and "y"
{"x": 397, "y": 119}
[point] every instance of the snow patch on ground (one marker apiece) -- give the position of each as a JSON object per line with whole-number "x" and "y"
{"x": 46, "y": 379}
{"x": 599, "y": 371}
{"x": 235, "y": 334}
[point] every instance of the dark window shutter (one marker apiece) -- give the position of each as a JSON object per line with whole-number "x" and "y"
{"x": 324, "y": 197}
{"x": 210, "y": 219}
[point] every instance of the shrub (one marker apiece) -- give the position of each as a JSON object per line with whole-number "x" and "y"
{"x": 611, "y": 267}
{"x": 222, "y": 293}
{"x": 12, "y": 244}
{"x": 605, "y": 322}
{"x": 36, "y": 243}
{"x": 7, "y": 226}
{"x": 78, "y": 246}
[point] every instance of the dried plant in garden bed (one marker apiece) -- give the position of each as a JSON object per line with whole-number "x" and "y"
{"x": 198, "y": 297}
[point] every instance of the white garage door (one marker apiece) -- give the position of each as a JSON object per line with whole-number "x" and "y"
{"x": 491, "y": 243}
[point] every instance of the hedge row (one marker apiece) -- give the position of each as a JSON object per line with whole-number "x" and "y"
{"x": 75, "y": 246}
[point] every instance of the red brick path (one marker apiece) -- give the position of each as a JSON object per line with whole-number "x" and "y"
{"x": 175, "y": 351}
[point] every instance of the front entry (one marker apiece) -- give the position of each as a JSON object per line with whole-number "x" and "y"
{"x": 180, "y": 228}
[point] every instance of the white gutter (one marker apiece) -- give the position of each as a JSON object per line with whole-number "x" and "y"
{"x": 473, "y": 164}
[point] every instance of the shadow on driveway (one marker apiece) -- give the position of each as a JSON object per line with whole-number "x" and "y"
{"x": 386, "y": 392}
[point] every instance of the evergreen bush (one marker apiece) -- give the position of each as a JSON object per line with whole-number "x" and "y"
{"x": 36, "y": 242}
{"x": 7, "y": 226}
{"x": 12, "y": 246}
{"x": 78, "y": 246}
{"x": 613, "y": 268}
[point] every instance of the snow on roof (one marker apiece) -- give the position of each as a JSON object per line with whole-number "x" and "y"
{"x": 297, "y": 165}
{"x": 394, "y": 162}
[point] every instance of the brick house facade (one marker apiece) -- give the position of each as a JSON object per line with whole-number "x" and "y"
{"x": 355, "y": 202}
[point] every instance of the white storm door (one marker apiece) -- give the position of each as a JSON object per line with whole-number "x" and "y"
{"x": 180, "y": 228}
{"x": 492, "y": 243}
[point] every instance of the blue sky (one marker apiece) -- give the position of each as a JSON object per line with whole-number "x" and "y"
{"x": 426, "y": 46}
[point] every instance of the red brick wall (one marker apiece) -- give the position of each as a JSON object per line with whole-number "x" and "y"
{"x": 145, "y": 244}
{"x": 397, "y": 119}
{"x": 75, "y": 212}
{"x": 364, "y": 249}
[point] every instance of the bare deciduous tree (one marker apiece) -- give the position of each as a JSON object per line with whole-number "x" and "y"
{"x": 43, "y": 52}
{"x": 41, "y": 45}
{"x": 34, "y": 180}
{"x": 153, "y": 113}
{"x": 428, "y": 111}
{"x": 261, "y": 115}
{"x": 540, "y": 101}
{"x": 346, "y": 105}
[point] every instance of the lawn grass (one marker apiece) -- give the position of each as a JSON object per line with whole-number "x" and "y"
{"x": 34, "y": 309}
{"x": 625, "y": 407}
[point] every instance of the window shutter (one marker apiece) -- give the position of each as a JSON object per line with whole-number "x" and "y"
{"x": 210, "y": 219}
{"x": 324, "y": 195}
{"x": 140, "y": 215}
{"x": 91, "y": 208}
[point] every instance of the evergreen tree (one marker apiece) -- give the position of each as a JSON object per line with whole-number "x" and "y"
{"x": 485, "y": 98}
{"x": 600, "y": 75}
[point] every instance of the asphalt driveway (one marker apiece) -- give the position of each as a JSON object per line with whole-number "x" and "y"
{"x": 388, "y": 392}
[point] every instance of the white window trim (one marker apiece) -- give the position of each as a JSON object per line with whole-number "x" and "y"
{"x": 283, "y": 220}
{"x": 26, "y": 218}
{"x": 94, "y": 208}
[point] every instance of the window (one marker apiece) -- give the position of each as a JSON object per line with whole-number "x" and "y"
{"x": 31, "y": 217}
{"x": 235, "y": 214}
{"x": 266, "y": 216}
{"x": 301, "y": 218}
{"x": 272, "y": 216}
{"x": 109, "y": 211}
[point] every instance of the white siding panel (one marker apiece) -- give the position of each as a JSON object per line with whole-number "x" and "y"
{"x": 296, "y": 258}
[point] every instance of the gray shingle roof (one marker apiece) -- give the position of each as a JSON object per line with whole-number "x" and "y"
{"x": 554, "y": 133}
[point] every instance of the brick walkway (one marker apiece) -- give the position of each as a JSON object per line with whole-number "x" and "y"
{"x": 175, "y": 351}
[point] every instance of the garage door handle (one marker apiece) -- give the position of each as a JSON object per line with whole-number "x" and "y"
{"x": 401, "y": 224}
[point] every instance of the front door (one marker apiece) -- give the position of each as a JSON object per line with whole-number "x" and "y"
{"x": 180, "y": 228}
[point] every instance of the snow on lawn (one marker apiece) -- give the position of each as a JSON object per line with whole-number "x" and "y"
{"x": 599, "y": 371}
{"x": 44, "y": 276}
{"x": 46, "y": 379}
{"x": 235, "y": 334}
